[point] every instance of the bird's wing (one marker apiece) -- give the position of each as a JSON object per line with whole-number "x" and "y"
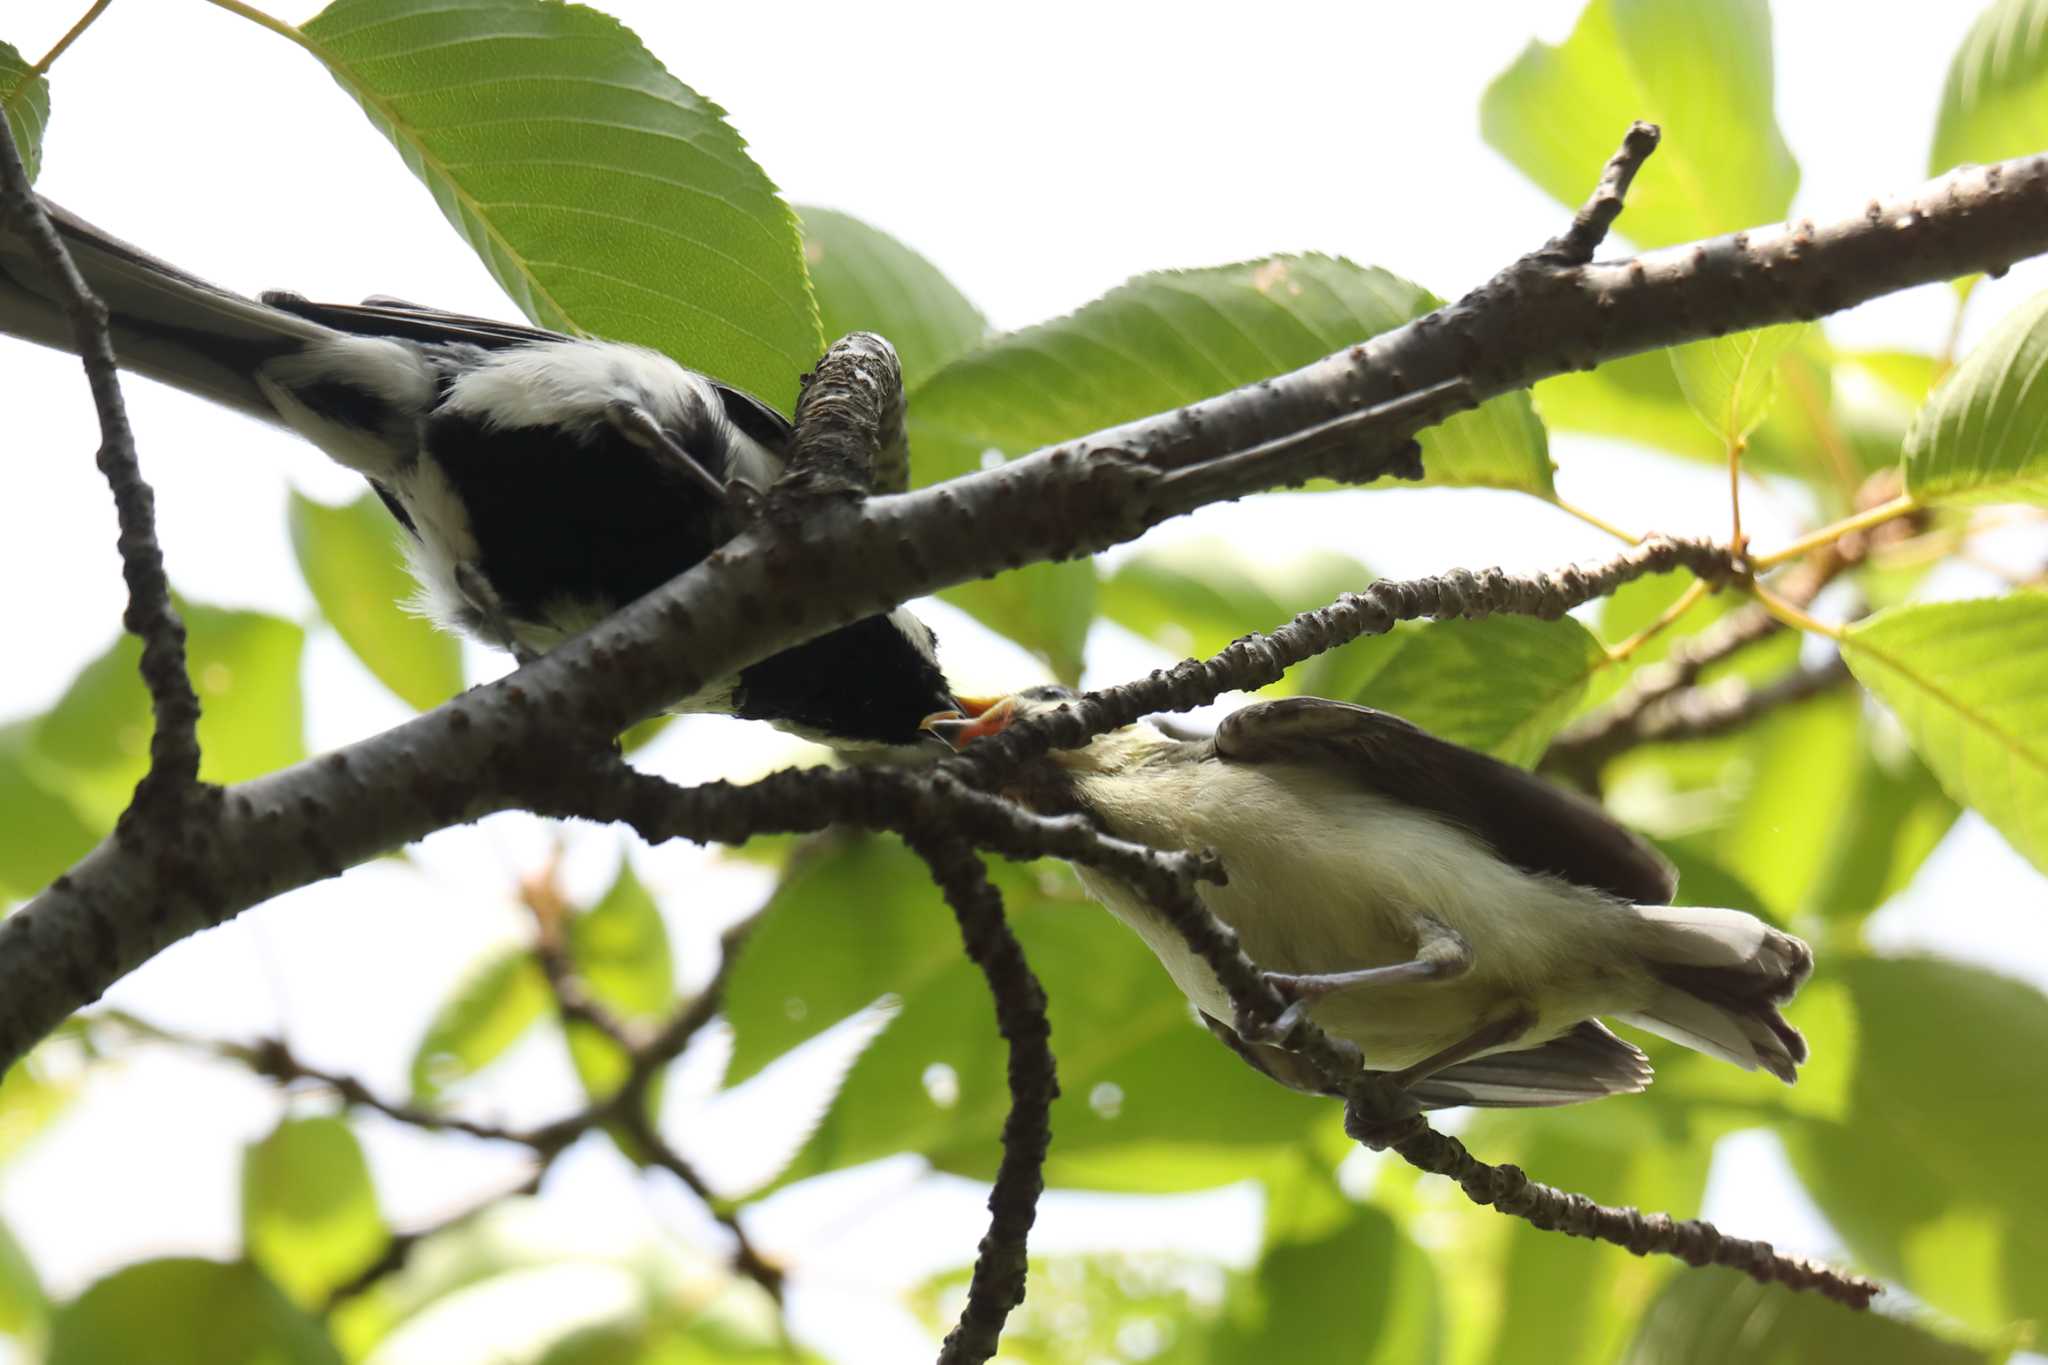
{"x": 389, "y": 317}
{"x": 1528, "y": 822}
{"x": 1585, "y": 1063}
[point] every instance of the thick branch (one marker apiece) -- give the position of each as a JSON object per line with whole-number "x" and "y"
{"x": 120, "y": 906}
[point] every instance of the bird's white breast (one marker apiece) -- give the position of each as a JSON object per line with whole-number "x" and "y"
{"x": 1326, "y": 876}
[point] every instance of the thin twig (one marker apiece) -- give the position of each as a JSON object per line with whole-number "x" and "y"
{"x": 1576, "y": 245}
{"x": 1694, "y": 1241}
{"x": 400, "y": 1248}
{"x": 1000, "y": 1263}
{"x": 150, "y": 615}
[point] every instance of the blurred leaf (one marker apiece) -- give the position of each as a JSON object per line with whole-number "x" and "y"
{"x": 1708, "y": 1316}
{"x": 1935, "y": 1175}
{"x": 1156, "y": 1307}
{"x": 1907, "y": 375}
{"x": 491, "y": 1009}
{"x": 1995, "y": 103}
{"x": 1148, "y": 1100}
{"x": 1896, "y": 814}
{"x": 1700, "y": 69}
{"x": 1047, "y": 608}
{"x": 1360, "y": 1292}
{"x": 186, "y": 1312}
{"x": 866, "y": 280}
{"x": 1564, "y": 1300}
{"x": 353, "y": 564}
{"x": 1164, "y": 340}
{"x": 1969, "y": 681}
{"x": 1983, "y": 436}
{"x": 674, "y": 1342}
{"x": 24, "y": 1308}
{"x": 1193, "y": 598}
{"x": 26, "y": 100}
{"x": 94, "y": 743}
{"x": 44, "y": 834}
{"x": 1730, "y": 381}
{"x": 608, "y": 198}
{"x": 490, "y": 1288}
{"x": 30, "y": 1100}
{"x": 621, "y": 951}
{"x": 1500, "y": 684}
{"x": 309, "y": 1210}
{"x": 1639, "y": 399}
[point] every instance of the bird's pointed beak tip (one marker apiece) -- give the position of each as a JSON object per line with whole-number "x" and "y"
{"x": 976, "y": 717}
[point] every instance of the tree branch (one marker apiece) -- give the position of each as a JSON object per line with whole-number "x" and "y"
{"x": 150, "y": 616}
{"x": 474, "y": 755}
{"x": 1001, "y": 1260}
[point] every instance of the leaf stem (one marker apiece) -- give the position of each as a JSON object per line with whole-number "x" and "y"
{"x": 1736, "y": 540}
{"x": 1591, "y": 519}
{"x": 1784, "y": 610}
{"x": 70, "y": 37}
{"x": 1650, "y": 632}
{"x": 262, "y": 20}
{"x": 1903, "y": 505}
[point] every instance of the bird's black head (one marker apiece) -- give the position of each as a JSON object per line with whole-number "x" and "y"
{"x": 865, "y": 685}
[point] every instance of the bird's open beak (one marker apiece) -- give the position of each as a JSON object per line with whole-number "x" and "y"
{"x": 976, "y": 718}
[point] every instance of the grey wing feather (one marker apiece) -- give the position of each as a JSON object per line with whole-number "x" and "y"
{"x": 166, "y": 324}
{"x": 1528, "y": 822}
{"x": 383, "y": 316}
{"x": 1586, "y": 1063}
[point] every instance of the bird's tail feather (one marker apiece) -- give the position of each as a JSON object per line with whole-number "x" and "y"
{"x": 1719, "y": 977}
{"x": 166, "y": 324}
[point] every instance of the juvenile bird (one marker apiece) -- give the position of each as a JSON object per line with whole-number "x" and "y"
{"x": 1463, "y": 922}
{"x": 544, "y": 480}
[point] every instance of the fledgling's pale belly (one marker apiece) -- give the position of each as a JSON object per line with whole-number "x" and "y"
{"x": 1326, "y": 877}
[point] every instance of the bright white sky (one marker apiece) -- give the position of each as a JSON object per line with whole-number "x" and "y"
{"x": 1037, "y": 160}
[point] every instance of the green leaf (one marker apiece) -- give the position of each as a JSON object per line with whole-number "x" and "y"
{"x": 30, "y": 1100}
{"x": 1731, "y": 381}
{"x": 1148, "y": 1100}
{"x": 866, "y": 280}
{"x": 1361, "y": 1292}
{"x": 621, "y": 952}
{"x": 186, "y": 1312}
{"x": 94, "y": 743}
{"x": 351, "y": 560}
{"x": 607, "y": 197}
{"x": 1047, "y": 608}
{"x": 45, "y": 834}
{"x": 1969, "y": 681}
{"x": 24, "y": 1308}
{"x": 309, "y": 1211}
{"x": 1700, "y": 69}
{"x": 25, "y": 98}
{"x": 492, "y": 1008}
{"x": 1995, "y": 103}
{"x": 1566, "y": 1300}
{"x": 1983, "y": 437}
{"x": 1711, "y": 1315}
{"x": 1164, "y": 340}
{"x": 1156, "y": 343}
{"x": 1500, "y": 684}
{"x": 1195, "y": 597}
{"x": 1935, "y": 1174}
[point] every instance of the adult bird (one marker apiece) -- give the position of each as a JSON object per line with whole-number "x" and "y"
{"x": 1461, "y": 921}
{"x": 543, "y": 480}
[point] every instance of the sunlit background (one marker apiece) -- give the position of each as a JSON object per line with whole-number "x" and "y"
{"x": 1038, "y": 157}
